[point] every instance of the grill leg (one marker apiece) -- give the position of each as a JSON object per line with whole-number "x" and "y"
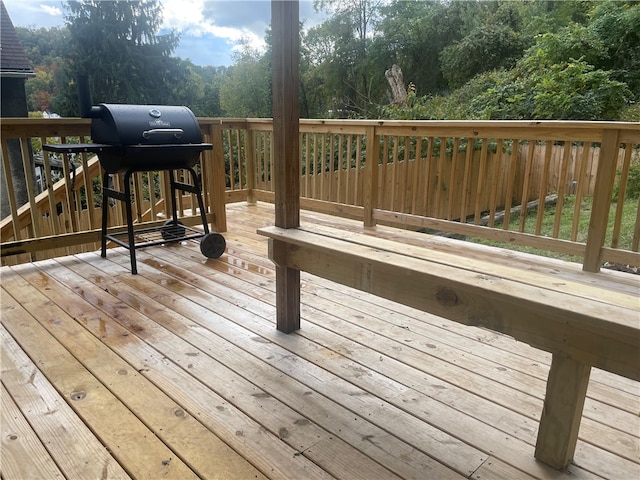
{"x": 174, "y": 208}
{"x": 198, "y": 191}
{"x": 105, "y": 211}
{"x": 127, "y": 202}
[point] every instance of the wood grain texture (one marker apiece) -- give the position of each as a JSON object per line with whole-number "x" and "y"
{"x": 366, "y": 389}
{"x": 581, "y": 330}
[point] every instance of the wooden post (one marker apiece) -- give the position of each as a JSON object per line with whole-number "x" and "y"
{"x": 562, "y": 411}
{"x": 217, "y": 184}
{"x": 603, "y": 190}
{"x": 285, "y": 17}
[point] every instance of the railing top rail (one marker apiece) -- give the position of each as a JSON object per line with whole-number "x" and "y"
{"x": 522, "y": 129}
{"x": 9, "y": 122}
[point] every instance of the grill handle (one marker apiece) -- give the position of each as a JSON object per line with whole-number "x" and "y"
{"x": 176, "y": 132}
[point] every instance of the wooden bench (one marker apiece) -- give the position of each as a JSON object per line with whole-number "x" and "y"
{"x": 584, "y": 319}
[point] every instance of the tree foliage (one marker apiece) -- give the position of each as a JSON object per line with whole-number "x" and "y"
{"x": 116, "y": 43}
{"x": 567, "y": 72}
{"x": 461, "y": 59}
{"x": 246, "y": 89}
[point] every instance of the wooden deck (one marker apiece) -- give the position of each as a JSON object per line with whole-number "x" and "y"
{"x": 179, "y": 373}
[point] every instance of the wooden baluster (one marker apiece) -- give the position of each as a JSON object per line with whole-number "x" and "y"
{"x": 370, "y": 182}
{"x": 250, "y": 165}
{"x": 451, "y": 187}
{"x": 511, "y": 180}
{"x": 544, "y": 181}
{"x": 601, "y": 200}
{"x": 622, "y": 191}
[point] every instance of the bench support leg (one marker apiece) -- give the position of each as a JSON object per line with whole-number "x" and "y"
{"x": 562, "y": 412}
{"x": 287, "y": 289}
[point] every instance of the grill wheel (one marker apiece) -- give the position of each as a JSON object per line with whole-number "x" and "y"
{"x": 212, "y": 245}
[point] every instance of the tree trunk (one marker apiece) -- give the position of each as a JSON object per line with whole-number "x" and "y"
{"x": 396, "y": 82}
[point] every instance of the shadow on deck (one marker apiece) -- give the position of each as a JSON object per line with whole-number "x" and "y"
{"x": 179, "y": 373}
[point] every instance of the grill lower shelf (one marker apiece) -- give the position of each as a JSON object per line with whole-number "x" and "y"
{"x": 212, "y": 244}
{"x": 148, "y": 237}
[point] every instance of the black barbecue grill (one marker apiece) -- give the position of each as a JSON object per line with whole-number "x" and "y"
{"x": 145, "y": 138}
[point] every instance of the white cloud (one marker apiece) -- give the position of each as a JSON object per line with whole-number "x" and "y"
{"x": 182, "y": 14}
{"x": 51, "y": 10}
{"x": 188, "y": 18}
{"x": 210, "y": 29}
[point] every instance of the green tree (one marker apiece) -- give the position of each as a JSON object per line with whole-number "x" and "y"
{"x": 45, "y": 49}
{"x": 572, "y": 71}
{"x": 40, "y": 89}
{"x": 545, "y": 84}
{"x": 118, "y": 45}
{"x": 577, "y": 91}
{"x": 339, "y": 49}
{"x": 245, "y": 90}
{"x": 413, "y": 34}
{"x": 44, "y": 46}
{"x": 495, "y": 42}
{"x": 617, "y": 25}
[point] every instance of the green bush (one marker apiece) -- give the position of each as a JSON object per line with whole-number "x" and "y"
{"x": 633, "y": 184}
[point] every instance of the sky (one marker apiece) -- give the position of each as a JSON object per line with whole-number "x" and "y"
{"x": 209, "y": 29}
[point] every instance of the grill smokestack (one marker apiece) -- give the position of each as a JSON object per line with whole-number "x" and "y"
{"x": 87, "y": 110}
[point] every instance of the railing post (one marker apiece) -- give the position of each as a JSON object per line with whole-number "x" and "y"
{"x": 250, "y": 164}
{"x": 370, "y": 183}
{"x": 601, "y": 205}
{"x": 216, "y": 181}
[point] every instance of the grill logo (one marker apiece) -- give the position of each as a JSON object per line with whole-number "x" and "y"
{"x": 155, "y": 113}
{"x": 159, "y": 123}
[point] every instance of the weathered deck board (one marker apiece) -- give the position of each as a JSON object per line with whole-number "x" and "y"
{"x": 19, "y": 441}
{"x": 366, "y": 389}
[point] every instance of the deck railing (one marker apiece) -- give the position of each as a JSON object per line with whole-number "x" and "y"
{"x": 564, "y": 187}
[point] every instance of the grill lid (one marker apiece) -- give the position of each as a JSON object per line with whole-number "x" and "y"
{"x": 116, "y": 124}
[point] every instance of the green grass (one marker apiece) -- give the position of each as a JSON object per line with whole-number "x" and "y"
{"x": 566, "y": 224}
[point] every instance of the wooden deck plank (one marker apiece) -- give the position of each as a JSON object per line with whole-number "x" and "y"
{"x": 494, "y": 469}
{"x": 152, "y": 361}
{"x": 19, "y": 441}
{"x": 457, "y": 425}
{"x": 205, "y": 454}
{"x": 356, "y": 429}
{"x": 131, "y": 442}
{"x": 67, "y": 438}
{"x": 604, "y": 437}
{"x": 279, "y": 416}
{"x": 367, "y": 388}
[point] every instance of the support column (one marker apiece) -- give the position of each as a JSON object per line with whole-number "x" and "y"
{"x": 285, "y": 17}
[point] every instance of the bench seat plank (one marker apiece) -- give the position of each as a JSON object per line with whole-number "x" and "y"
{"x": 436, "y": 249}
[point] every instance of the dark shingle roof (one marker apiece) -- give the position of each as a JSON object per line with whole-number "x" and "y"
{"x": 13, "y": 60}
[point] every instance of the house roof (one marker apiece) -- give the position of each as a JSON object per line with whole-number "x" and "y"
{"x": 13, "y": 61}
